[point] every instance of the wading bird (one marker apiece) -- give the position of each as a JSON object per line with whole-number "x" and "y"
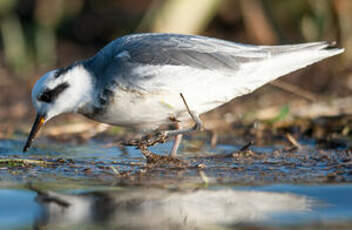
{"x": 136, "y": 81}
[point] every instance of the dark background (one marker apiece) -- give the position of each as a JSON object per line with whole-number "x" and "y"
{"x": 37, "y": 36}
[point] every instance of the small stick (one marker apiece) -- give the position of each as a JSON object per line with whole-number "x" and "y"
{"x": 294, "y": 89}
{"x": 245, "y": 147}
{"x": 198, "y": 125}
{"x": 115, "y": 170}
{"x": 293, "y": 141}
{"x": 187, "y": 107}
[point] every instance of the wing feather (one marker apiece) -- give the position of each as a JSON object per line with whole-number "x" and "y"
{"x": 190, "y": 50}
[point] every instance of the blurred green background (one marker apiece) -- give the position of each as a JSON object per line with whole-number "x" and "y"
{"x": 39, "y": 35}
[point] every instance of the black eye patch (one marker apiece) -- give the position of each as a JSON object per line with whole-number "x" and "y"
{"x": 49, "y": 95}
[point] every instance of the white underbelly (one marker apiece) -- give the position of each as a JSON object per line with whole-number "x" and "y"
{"x": 150, "y": 111}
{"x": 203, "y": 90}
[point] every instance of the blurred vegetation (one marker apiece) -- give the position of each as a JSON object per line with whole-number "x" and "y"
{"x": 32, "y": 31}
{"x": 38, "y": 35}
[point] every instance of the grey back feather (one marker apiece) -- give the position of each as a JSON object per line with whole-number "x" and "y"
{"x": 188, "y": 50}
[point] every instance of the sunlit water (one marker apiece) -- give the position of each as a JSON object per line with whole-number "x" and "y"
{"x": 95, "y": 196}
{"x": 275, "y": 205}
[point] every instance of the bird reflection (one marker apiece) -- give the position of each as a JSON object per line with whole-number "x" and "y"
{"x": 162, "y": 209}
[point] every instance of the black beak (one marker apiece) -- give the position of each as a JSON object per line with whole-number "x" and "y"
{"x": 39, "y": 121}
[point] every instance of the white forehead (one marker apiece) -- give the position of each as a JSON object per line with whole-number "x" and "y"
{"x": 46, "y": 81}
{"x": 77, "y": 76}
{"x": 50, "y": 81}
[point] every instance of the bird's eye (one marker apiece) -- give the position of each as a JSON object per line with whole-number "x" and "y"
{"x": 49, "y": 95}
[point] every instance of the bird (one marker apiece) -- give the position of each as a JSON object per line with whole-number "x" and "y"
{"x": 149, "y": 80}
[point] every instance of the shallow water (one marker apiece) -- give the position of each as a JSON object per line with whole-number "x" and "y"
{"x": 273, "y": 205}
{"x": 267, "y": 186}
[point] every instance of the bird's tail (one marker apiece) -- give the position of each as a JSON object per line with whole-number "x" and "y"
{"x": 286, "y": 59}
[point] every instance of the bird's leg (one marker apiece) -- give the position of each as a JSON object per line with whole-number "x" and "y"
{"x": 213, "y": 139}
{"x": 177, "y": 142}
{"x": 162, "y": 137}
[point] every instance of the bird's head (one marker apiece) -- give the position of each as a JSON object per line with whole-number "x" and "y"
{"x": 60, "y": 91}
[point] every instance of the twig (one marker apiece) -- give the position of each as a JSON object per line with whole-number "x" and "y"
{"x": 197, "y": 126}
{"x": 245, "y": 147}
{"x": 293, "y": 141}
{"x": 115, "y": 170}
{"x": 294, "y": 89}
{"x": 187, "y": 107}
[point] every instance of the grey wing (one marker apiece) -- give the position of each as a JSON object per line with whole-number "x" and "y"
{"x": 189, "y": 50}
{"x": 202, "y": 52}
